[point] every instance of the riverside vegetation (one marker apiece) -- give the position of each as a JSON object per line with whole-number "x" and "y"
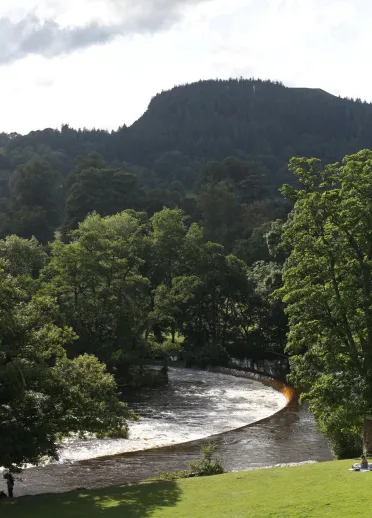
{"x": 123, "y": 248}
{"x": 205, "y": 467}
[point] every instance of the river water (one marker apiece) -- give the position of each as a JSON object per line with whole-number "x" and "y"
{"x": 174, "y": 422}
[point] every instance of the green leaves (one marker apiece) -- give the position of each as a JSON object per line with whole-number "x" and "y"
{"x": 43, "y": 394}
{"x": 86, "y": 397}
{"x": 99, "y": 189}
{"x": 35, "y": 200}
{"x": 328, "y": 283}
{"x": 100, "y": 291}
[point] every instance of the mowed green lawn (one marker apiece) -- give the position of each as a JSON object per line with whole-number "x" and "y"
{"x": 325, "y": 489}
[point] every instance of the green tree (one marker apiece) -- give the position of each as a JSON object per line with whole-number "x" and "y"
{"x": 198, "y": 294}
{"x": 220, "y": 212}
{"x": 272, "y": 322}
{"x": 99, "y": 289}
{"x": 106, "y": 191}
{"x": 220, "y": 313}
{"x": 175, "y": 167}
{"x": 328, "y": 292}
{"x": 163, "y": 265}
{"x": 35, "y": 201}
{"x": 156, "y": 199}
{"x": 233, "y": 200}
{"x": 43, "y": 394}
{"x": 255, "y": 248}
{"x": 23, "y": 257}
{"x": 82, "y": 163}
{"x": 168, "y": 233}
{"x": 247, "y": 178}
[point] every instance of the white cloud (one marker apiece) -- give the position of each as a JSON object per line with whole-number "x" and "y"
{"x": 34, "y": 34}
{"x": 315, "y": 43}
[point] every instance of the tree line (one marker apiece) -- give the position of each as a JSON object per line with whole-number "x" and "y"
{"x": 83, "y": 314}
{"x": 230, "y": 200}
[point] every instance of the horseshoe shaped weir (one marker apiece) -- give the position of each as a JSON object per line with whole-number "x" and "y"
{"x": 286, "y": 436}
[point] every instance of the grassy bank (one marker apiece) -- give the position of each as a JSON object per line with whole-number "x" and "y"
{"x": 317, "y": 490}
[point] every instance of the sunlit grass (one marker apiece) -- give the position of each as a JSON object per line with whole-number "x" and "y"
{"x": 316, "y": 490}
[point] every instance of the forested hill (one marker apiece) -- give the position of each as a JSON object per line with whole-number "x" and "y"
{"x": 250, "y": 118}
{"x": 210, "y": 120}
{"x": 217, "y": 149}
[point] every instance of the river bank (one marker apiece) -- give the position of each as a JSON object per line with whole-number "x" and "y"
{"x": 285, "y": 437}
{"x": 313, "y": 490}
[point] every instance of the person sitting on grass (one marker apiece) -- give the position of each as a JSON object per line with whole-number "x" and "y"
{"x": 364, "y": 462}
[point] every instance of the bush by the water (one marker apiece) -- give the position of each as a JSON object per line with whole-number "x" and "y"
{"x": 207, "y": 465}
{"x": 347, "y": 444}
{"x": 346, "y": 438}
{"x": 204, "y": 467}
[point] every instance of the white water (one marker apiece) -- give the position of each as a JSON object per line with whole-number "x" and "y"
{"x": 195, "y": 405}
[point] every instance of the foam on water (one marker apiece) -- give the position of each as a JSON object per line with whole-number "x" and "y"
{"x": 195, "y": 405}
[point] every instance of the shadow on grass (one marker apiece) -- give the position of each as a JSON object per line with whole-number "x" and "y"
{"x": 138, "y": 501}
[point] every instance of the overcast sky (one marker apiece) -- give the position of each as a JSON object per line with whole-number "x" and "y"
{"x": 98, "y": 62}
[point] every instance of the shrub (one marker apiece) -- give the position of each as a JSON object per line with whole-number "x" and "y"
{"x": 344, "y": 430}
{"x": 207, "y": 465}
{"x": 204, "y": 467}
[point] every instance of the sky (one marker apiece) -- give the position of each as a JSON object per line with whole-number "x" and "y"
{"x": 98, "y": 63}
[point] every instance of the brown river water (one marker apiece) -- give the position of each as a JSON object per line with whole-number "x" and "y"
{"x": 253, "y": 425}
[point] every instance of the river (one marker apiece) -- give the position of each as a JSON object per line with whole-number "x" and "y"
{"x": 174, "y": 422}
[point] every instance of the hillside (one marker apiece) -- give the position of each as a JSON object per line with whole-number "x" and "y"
{"x": 211, "y": 120}
{"x": 215, "y": 119}
{"x": 163, "y": 159}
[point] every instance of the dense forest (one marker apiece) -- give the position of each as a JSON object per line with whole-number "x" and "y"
{"x": 167, "y": 238}
{"x": 179, "y": 154}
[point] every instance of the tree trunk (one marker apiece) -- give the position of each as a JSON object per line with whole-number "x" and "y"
{"x": 367, "y": 434}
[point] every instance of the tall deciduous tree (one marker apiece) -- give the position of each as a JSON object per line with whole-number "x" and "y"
{"x": 272, "y": 322}
{"x": 328, "y": 292}
{"x": 43, "y": 394}
{"x": 164, "y": 265}
{"x": 35, "y": 201}
{"x": 105, "y": 190}
{"x": 99, "y": 289}
{"x": 23, "y": 257}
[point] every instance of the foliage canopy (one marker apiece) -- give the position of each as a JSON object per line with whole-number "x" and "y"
{"x": 328, "y": 290}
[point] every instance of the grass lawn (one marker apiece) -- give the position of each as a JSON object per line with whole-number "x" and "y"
{"x": 325, "y": 489}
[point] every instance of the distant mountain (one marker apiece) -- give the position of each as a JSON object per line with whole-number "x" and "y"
{"x": 249, "y": 119}
{"x": 211, "y": 120}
